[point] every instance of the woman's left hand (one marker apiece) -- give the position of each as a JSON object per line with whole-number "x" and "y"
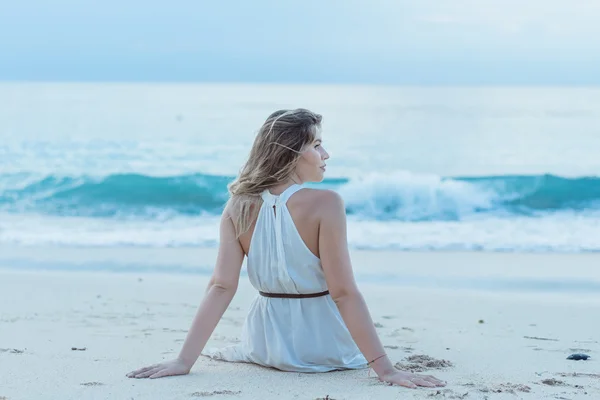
{"x": 410, "y": 380}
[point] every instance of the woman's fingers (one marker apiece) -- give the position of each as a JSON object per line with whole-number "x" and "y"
{"x": 167, "y": 368}
{"x": 433, "y": 380}
{"x": 160, "y": 374}
{"x": 413, "y": 381}
{"x": 401, "y": 381}
{"x": 422, "y": 382}
{"x": 140, "y": 371}
{"x": 148, "y": 373}
{"x": 407, "y": 383}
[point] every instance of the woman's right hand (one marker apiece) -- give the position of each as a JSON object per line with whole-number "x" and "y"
{"x": 410, "y": 380}
{"x": 168, "y": 368}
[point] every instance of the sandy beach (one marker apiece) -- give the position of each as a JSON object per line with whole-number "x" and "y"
{"x": 73, "y": 322}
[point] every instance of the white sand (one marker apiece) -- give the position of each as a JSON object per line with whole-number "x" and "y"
{"x": 127, "y": 320}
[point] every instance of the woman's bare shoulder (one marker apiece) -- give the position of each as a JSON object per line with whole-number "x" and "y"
{"x": 320, "y": 199}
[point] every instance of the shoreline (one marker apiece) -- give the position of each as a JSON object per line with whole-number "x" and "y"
{"x": 568, "y": 274}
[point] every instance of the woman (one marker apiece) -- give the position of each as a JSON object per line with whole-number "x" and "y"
{"x": 309, "y": 315}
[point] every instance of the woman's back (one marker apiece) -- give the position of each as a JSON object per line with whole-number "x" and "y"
{"x": 304, "y": 334}
{"x": 279, "y": 260}
{"x": 303, "y": 207}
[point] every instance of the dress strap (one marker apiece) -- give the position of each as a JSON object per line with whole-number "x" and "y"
{"x": 287, "y": 193}
{"x": 272, "y": 210}
{"x": 273, "y": 199}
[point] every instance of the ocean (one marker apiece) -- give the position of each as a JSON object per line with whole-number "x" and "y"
{"x": 506, "y": 169}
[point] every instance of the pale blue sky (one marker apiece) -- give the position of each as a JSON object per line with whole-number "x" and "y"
{"x": 315, "y": 41}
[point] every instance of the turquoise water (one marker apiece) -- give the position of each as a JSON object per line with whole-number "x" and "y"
{"x": 499, "y": 169}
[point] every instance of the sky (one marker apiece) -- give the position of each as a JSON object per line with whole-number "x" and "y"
{"x": 420, "y": 42}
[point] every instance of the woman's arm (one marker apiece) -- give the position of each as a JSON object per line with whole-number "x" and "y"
{"x": 219, "y": 293}
{"x": 335, "y": 258}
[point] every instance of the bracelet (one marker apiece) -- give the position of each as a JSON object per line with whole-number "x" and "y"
{"x": 375, "y": 359}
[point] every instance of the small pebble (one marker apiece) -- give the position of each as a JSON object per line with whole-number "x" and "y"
{"x": 578, "y": 356}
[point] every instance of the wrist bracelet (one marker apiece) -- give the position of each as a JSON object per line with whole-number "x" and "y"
{"x": 375, "y": 359}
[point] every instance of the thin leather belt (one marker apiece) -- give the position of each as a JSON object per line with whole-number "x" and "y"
{"x": 293, "y": 295}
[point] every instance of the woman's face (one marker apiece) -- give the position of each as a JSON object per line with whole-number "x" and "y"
{"x": 311, "y": 165}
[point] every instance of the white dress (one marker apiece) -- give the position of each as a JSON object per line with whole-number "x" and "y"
{"x": 290, "y": 334}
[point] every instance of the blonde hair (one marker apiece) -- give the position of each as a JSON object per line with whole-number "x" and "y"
{"x": 272, "y": 160}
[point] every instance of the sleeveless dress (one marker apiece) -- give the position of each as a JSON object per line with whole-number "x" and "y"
{"x": 289, "y": 334}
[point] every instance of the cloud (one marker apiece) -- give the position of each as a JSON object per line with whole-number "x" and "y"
{"x": 431, "y": 40}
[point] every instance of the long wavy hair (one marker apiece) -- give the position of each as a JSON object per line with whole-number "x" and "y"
{"x": 272, "y": 161}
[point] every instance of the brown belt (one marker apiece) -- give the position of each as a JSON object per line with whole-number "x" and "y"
{"x": 293, "y": 295}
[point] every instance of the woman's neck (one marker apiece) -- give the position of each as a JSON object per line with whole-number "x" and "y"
{"x": 282, "y": 187}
